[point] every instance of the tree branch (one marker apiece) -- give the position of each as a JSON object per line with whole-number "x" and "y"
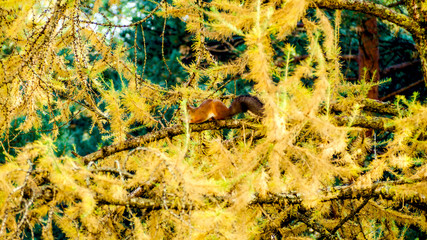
{"x": 373, "y": 9}
{"x": 378, "y": 190}
{"x": 351, "y": 215}
{"x": 388, "y": 96}
{"x": 163, "y": 133}
{"x": 310, "y": 222}
{"x": 399, "y": 66}
{"x": 369, "y": 105}
{"x": 140, "y": 203}
{"x": 401, "y": 2}
{"x": 379, "y": 123}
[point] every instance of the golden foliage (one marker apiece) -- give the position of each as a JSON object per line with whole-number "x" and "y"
{"x": 194, "y": 185}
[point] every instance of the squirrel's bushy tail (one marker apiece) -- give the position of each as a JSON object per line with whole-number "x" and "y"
{"x": 244, "y": 103}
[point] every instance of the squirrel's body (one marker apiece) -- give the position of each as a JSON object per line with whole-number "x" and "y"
{"x": 217, "y": 110}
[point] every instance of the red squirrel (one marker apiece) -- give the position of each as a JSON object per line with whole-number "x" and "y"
{"x": 217, "y": 110}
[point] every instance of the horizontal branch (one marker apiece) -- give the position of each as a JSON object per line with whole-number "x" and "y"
{"x": 388, "y": 96}
{"x": 380, "y": 107}
{"x": 370, "y": 105}
{"x": 137, "y": 202}
{"x": 378, "y": 123}
{"x": 343, "y": 57}
{"x": 112, "y": 170}
{"x": 354, "y": 121}
{"x": 373, "y": 9}
{"x": 376, "y": 191}
{"x": 380, "y": 190}
{"x": 399, "y": 66}
{"x": 161, "y": 134}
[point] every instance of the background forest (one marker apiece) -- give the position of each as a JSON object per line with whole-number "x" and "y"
{"x": 96, "y": 144}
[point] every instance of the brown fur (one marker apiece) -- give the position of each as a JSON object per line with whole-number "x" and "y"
{"x": 217, "y": 110}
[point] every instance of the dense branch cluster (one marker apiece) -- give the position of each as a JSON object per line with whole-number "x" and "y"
{"x": 307, "y": 169}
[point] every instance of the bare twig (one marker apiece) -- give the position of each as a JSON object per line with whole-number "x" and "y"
{"x": 401, "y": 90}
{"x": 310, "y": 222}
{"x": 113, "y": 170}
{"x": 128, "y": 25}
{"x": 399, "y": 66}
{"x": 396, "y": 3}
{"x": 351, "y": 215}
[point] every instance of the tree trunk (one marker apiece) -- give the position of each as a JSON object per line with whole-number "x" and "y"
{"x": 421, "y": 44}
{"x": 418, "y": 11}
{"x": 369, "y": 54}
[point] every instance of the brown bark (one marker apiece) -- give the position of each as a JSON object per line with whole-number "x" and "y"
{"x": 161, "y": 134}
{"x": 369, "y": 55}
{"x": 421, "y": 44}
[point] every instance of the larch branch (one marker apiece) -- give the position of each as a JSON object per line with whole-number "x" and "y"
{"x": 379, "y": 123}
{"x": 161, "y": 134}
{"x": 351, "y": 215}
{"x": 371, "y": 122}
{"x": 380, "y": 190}
{"x": 354, "y": 121}
{"x": 310, "y": 222}
{"x": 373, "y": 9}
{"x": 370, "y": 105}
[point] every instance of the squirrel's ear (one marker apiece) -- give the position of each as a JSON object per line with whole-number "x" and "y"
{"x": 189, "y": 107}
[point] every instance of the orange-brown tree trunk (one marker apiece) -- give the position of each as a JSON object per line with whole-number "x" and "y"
{"x": 369, "y": 54}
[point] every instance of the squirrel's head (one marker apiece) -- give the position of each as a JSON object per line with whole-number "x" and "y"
{"x": 190, "y": 111}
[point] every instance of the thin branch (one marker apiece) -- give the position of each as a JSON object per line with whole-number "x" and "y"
{"x": 140, "y": 203}
{"x": 128, "y": 25}
{"x": 398, "y": 3}
{"x": 343, "y": 57}
{"x": 351, "y": 215}
{"x": 99, "y": 113}
{"x": 399, "y": 66}
{"x": 28, "y": 204}
{"x": 310, "y": 222}
{"x": 401, "y": 90}
{"x": 112, "y": 170}
{"x": 379, "y": 190}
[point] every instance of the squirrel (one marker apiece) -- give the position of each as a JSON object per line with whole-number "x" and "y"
{"x": 217, "y": 110}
